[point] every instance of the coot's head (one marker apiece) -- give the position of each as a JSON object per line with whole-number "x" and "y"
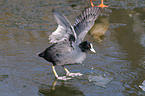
{"x": 86, "y": 46}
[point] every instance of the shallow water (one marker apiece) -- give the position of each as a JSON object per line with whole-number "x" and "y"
{"x": 24, "y": 30}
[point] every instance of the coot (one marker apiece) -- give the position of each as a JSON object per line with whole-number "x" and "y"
{"x": 68, "y": 46}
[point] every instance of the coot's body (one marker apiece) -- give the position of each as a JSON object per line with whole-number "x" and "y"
{"x": 63, "y": 53}
{"x": 69, "y": 47}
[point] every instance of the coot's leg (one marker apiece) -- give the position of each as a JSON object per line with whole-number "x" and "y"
{"x": 92, "y": 3}
{"x": 72, "y": 74}
{"x": 102, "y": 5}
{"x": 53, "y": 87}
{"x": 56, "y": 75}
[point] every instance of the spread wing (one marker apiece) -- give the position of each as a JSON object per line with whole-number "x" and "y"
{"x": 64, "y": 30}
{"x": 85, "y": 21}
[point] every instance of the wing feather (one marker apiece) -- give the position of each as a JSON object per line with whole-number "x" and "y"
{"x": 64, "y": 29}
{"x": 85, "y": 21}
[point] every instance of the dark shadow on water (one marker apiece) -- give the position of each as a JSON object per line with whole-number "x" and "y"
{"x": 59, "y": 90}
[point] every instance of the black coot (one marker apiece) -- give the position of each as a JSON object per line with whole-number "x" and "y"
{"x": 69, "y": 47}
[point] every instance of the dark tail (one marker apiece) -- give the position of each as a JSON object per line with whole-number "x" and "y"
{"x": 41, "y": 54}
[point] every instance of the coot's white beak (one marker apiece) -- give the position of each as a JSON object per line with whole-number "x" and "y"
{"x": 92, "y": 49}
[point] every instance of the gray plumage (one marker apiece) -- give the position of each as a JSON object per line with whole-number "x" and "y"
{"x": 85, "y": 21}
{"x": 68, "y": 47}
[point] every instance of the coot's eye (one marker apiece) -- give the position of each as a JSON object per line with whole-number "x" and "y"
{"x": 88, "y": 46}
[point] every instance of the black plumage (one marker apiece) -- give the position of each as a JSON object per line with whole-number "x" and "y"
{"x": 69, "y": 47}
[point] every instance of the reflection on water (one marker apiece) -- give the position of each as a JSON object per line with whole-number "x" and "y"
{"x": 129, "y": 36}
{"x": 128, "y": 39}
{"x": 100, "y": 27}
{"x": 60, "y": 90}
{"x": 24, "y": 30}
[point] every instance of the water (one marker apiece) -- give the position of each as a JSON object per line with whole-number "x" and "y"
{"x": 24, "y": 30}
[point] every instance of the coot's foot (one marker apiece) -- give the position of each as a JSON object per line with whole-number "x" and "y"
{"x": 59, "y": 78}
{"x": 63, "y": 78}
{"x": 101, "y": 5}
{"x": 74, "y": 74}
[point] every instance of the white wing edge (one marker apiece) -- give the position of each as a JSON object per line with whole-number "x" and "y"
{"x": 57, "y": 34}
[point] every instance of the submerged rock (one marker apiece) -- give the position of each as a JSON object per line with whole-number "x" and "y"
{"x": 99, "y": 80}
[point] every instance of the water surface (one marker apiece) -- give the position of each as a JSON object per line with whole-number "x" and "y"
{"x": 24, "y": 30}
